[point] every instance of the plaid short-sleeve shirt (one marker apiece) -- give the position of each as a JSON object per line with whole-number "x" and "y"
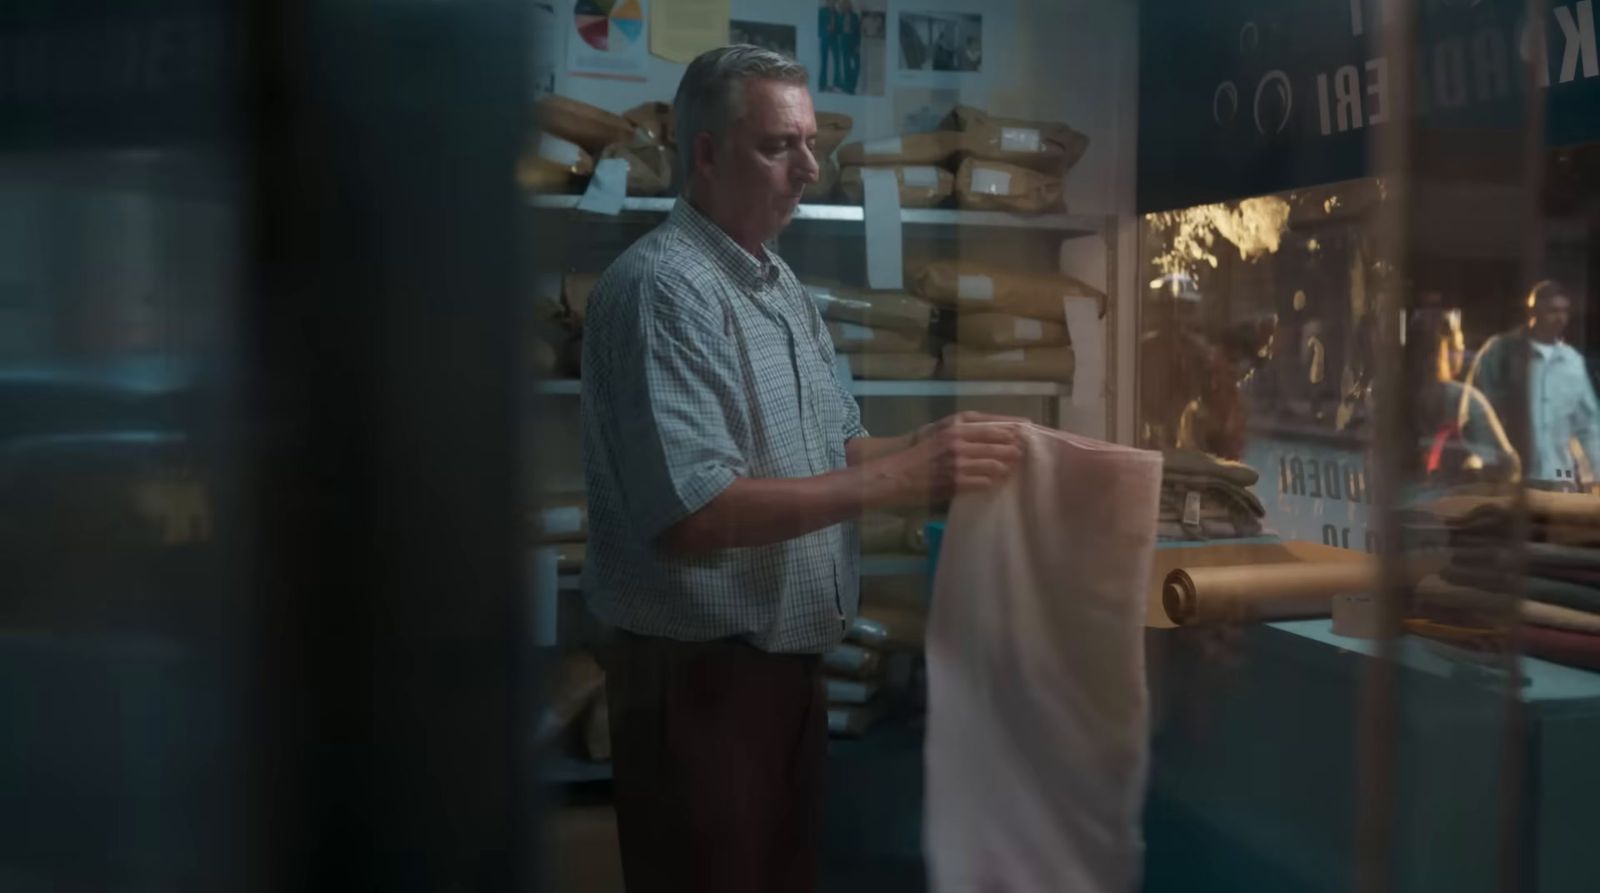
{"x": 702, "y": 364}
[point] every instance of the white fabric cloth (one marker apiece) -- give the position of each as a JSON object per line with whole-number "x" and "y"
{"x": 1038, "y": 721}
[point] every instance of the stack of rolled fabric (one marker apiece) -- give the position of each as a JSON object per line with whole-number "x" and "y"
{"x": 1550, "y": 582}
{"x": 1207, "y": 498}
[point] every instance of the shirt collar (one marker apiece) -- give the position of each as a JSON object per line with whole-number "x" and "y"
{"x": 1545, "y": 351}
{"x": 744, "y": 267}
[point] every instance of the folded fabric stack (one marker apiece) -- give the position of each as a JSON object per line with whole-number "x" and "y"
{"x": 1207, "y": 498}
{"x": 576, "y": 717}
{"x": 881, "y": 334}
{"x": 889, "y": 627}
{"x": 561, "y": 522}
{"x": 1550, "y": 582}
{"x": 987, "y": 163}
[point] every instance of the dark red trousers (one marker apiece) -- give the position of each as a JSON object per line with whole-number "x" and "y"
{"x": 719, "y": 752}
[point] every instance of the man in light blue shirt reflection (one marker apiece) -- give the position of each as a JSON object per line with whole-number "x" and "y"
{"x": 1558, "y": 400}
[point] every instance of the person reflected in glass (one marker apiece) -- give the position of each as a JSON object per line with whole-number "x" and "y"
{"x": 725, "y": 467}
{"x": 829, "y": 44}
{"x": 1533, "y": 378}
{"x": 1457, "y": 431}
{"x": 850, "y": 44}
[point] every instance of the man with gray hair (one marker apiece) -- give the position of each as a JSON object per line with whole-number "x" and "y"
{"x": 725, "y": 467}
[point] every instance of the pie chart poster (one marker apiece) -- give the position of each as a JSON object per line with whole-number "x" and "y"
{"x": 607, "y": 39}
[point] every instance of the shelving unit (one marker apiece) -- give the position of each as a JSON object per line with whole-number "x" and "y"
{"x": 872, "y": 388}
{"x": 1066, "y": 225}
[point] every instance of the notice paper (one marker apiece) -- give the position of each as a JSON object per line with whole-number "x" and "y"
{"x": 1088, "y": 333}
{"x": 683, "y": 29}
{"x": 881, "y": 208}
{"x": 607, "y": 188}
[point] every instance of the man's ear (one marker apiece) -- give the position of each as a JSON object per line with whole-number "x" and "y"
{"x": 705, "y": 153}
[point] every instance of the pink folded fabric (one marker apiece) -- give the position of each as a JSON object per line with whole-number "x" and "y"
{"x": 1038, "y": 722}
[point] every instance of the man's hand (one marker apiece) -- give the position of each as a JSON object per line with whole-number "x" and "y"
{"x": 966, "y": 451}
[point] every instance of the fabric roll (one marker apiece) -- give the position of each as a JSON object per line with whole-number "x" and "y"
{"x": 892, "y": 366}
{"x": 1038, "y": 721}
{"x": 851, "y": 691}
{"x": 887, "y": 627}
{"x": 589, "y": 126}
{"x": 655, "y": 120}
{"x": 881, "y": 532}
{"x": 1254, "y": 593}
{"x": 1050, "y": 146}
{"x": 919, "y": 148}
{"x": 650, "y": 165}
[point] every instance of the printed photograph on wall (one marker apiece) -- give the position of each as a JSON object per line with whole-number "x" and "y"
{"x": 851, "y": 37}
{"x": 767, "y": 35}
{"x": 941, "y": 41}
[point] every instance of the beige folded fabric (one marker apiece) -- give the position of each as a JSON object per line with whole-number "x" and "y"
{"x": 882, "y": 532}
{"x": 827, "y": 182}
{"x": 849, "y": 337}
{"x": 1435, "y": 590}
{"x": 892, "y": 366}
{"x": 575, "y": 289}
{"x": 977, "y": 287}
{"x": 649, "y": 165}
{"x": 1017, "y": 364}
{"x": 920, "y": 148}
{"x": 832, "y": 130}
{"x": 997, "y": 186}
{"x": 881, "y": 309}
{"x": 553, "y": 165}
{"x": 589, "y": 126}
{"x": 654, "y": 119}
{"x": 921, "y": 185}
{"x": 1052, "y": 147}
{"x": 999, "y": 331}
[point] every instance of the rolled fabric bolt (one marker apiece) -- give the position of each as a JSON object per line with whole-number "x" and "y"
{"x": 1251, "y": 593}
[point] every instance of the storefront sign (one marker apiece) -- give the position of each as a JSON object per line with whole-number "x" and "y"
{"x": 1313, "y": 491}
{"x": 1245, "y": 97}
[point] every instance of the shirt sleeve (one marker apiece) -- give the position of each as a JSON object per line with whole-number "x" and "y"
{"x": 1586, "y": 415}
{"x": 677, "y": 409}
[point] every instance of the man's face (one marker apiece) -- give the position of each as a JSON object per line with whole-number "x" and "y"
{"x": 1550, "y": 317}
{"x": 766, "y": 160}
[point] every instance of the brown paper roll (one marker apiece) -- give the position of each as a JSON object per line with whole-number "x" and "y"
{"x": 1249, "y": 593}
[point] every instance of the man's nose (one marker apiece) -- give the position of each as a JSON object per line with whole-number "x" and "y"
{"x": 810, "y": 169}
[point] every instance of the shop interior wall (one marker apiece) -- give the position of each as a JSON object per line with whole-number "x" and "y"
{"x": 1072, "y": 61}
